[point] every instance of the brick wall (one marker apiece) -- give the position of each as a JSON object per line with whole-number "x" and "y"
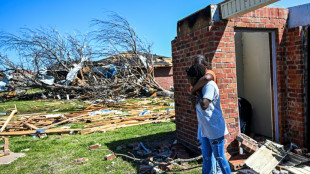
{"x": 295, "y": 122}
{"x": 217, "y": 43}
{"x": 164, "y": 77}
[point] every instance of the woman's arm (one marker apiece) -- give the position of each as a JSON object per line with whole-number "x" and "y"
{"x": 201, "y": 82}
{"x": 204, "y": 103}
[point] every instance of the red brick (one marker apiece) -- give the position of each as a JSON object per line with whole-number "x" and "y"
{"x": 95, "y": 146}
{"x": 246, "y": 19}
{"x": 110, "y": 157}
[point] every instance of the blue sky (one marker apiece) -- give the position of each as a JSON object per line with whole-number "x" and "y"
{"x": 154, "y": 20}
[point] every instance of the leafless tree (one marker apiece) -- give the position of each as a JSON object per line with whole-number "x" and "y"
{"x": 69, "y": 60}
{"x": 118, "y": 39}
{"x": 42, "y": 49}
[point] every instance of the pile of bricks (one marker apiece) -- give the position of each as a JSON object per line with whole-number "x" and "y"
{"x": 247, "y": 143}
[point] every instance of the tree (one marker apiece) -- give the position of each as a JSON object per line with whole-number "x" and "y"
{"x": 117, "y": 38}
{"x": 63, "y": 64}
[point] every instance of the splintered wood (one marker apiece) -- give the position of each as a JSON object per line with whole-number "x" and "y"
{"x": 5, "y": 146}
{"x": 95, "y": 118}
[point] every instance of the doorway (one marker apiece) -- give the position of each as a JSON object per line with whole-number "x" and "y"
{"x": 255, "y": 65}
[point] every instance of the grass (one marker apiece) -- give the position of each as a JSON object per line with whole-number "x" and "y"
{"x": 55, "y": 154}
{"x": 33, "y": 106}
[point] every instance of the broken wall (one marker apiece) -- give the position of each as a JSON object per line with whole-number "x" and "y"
{"x": 215, "y": 40}
{"x": 294, "y": 122}
{"x": 164, "y": 77}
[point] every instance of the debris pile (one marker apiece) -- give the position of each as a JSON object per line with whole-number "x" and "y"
{"x": 119, "y": 76}
{"x": 111, "y": 62}
{"x": 156, "y": 159}
{"x": 95, "y": 118}
{"x": 268, "y": 157}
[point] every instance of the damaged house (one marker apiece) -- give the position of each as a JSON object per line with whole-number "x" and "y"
{"x": 162, "y": 65}
{"x": 260, "y": 55}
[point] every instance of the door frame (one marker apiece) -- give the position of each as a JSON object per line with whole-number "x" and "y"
{"x": 273, "y": 75}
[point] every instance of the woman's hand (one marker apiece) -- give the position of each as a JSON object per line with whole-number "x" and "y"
{"x": 193, "y": 100}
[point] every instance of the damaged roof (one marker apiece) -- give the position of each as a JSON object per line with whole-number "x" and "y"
{"x": 158, "y": 61}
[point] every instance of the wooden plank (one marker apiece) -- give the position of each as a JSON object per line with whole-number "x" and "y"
{"x": 137, "y": 118}
{"x": 64, "y": 121}
{"x": 49, "y": 131}
{"x": 31, "y": 126}
{"x": 9, "y": 118}
{"x": 6, "y": 146}
{"x": 115, "y": 126}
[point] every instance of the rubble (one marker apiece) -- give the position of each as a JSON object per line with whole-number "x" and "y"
{"x": 97, "y": 118}
{"x": 160, "y": 159}
{"x": 275, "y": 159}
{"x": 272, "y": 157}
{"x": 95, "y": 146}
{"x": 237, "y": 162}
{"x": 247, "y": 143}
{"x": 110, "y": 157}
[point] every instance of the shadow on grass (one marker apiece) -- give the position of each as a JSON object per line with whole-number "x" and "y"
{"x": 151, "y": 142}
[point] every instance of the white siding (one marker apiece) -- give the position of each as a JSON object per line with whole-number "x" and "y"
{"x": 235, "y": 8}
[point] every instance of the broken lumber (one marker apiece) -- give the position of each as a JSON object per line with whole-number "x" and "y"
{"x": 5, "y": 146}
{"x": 137, "y": 118}
{"x": 64, "y": 121}
{"x": 9, "y": 118}
{"x": 30, "y": 126}
{"x": 117, "y": 126}
{"x": 49, "y": 131}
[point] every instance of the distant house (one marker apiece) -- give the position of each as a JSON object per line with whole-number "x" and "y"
{"x": 162, "y": 65}
{"x": 163, "y": 71}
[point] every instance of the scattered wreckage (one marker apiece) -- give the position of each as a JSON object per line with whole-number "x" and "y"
{"x": 259, "y": 157}
{"x": 97, "y": 118}
{"x": 268, "y": 157}
{"x": 111, "y": 62}
{"x": 119, "y": 76}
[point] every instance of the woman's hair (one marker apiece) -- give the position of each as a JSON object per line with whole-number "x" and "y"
{"x": 200, "y": 59}
{"x": 196, "y": 70}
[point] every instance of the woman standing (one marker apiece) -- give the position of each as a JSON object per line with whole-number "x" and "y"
{"x": 210, "y": 119}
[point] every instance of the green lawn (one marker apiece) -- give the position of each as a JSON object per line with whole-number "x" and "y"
{"x": 54, "y": 154}
{"x": 34, "y": 106}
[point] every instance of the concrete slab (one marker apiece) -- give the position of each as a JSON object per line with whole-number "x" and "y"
{"x": 271, "y": 156}
{"x": 10, "y": 158}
